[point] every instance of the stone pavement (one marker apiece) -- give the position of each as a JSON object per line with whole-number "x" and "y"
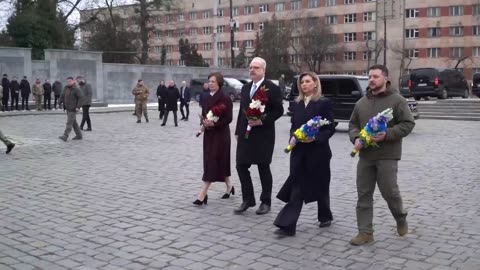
{"x": 122, "y": 199}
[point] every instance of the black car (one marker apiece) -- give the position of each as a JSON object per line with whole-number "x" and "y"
{"x": 438, "y": 82}
{"x": 405, "y": 86}
{"x": 231, "y": 87}
{"x": 344, "y": 91}
{"x": 476, "y": 84}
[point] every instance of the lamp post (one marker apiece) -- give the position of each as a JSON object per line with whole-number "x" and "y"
{"x": 232, "y": 35}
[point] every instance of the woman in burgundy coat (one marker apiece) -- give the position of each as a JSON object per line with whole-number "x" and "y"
{"x": 217, "y": 115}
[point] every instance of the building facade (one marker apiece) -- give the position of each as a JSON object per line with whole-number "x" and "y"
{"x": 416, "y": 33}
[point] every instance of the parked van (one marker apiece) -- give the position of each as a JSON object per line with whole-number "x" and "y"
{"x": 405, "y": 86}
{"x": 476, "y": 84}
{"x": 437, "y": 82}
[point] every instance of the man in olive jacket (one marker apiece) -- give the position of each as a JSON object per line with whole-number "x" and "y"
{"x": 378, "y": 165}
{"x": 38, "y": 92}
{"x": 72, "y": 100}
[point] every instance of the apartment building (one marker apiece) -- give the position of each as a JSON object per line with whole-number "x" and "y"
{"x": 419, "y": 33}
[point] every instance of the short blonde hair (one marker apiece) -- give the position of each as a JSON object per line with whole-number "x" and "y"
{"x": 318, "y": 88}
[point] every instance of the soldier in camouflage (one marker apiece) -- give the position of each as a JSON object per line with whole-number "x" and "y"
{"x": 38, "y": 92}
{"x": 141, "y": 93}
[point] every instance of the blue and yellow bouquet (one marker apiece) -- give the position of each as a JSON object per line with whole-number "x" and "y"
{"x": 307, "y": 131}
{"x": 374, "y": 126}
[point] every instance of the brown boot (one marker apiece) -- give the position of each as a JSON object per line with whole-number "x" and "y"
{"x": 402, "y": 227}
{"x": 362, "y": 239}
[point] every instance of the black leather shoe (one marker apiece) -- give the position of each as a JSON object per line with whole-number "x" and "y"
{"x": 163, "y": 124}
{"x": 263, "y": 209}
{"x": 284, "y": 232}
{"x": 227, "y": 195}
{"x": 10, "y": 147}
{"x": 324, "y": 224}
{"x": 198, "y": 202}
{"x": 242, "y": 208}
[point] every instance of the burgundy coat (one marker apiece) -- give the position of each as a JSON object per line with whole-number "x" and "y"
{"x": 216, "y": 140}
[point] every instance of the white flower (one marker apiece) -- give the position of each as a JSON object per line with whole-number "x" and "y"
{"x": 310, "y": 122}
{"x": 212, "y": 117}
{"x": 256, "y": 104}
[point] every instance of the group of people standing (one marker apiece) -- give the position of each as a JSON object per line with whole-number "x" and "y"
{"x": 12, "y": 90}
{"x": 309, "y": 177}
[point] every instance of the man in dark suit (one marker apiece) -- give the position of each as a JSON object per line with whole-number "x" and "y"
{"x": 161, "y": 96}
{"x": 185, "y": 97}
{"x": 258, "y": 147}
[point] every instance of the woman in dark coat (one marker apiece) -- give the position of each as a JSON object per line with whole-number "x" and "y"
{"x": 309, "y": 178}
{"x": 216, "y": 139}
{"x": 172, "y": 97}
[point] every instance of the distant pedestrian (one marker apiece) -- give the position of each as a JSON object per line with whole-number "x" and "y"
{"x": 203, "y": 95}
{"x": 161, "y": 96}
{"x": 25, "y": 91}
{"x": 57, "y": 91}
{"x": 38, "y": 93}
{"x": 1, "y": 97}
{"x": 6, "y": 92}
{"x": 47, "y": 95}
{"x": 14, "y": 93}
{"x": 72, "y": 100}
{"x": 173, "y": 95}
{"x": 185, "y": 97}
{"x": 7, "y": 142}
{"x": 281, "y": 84}
{"x": 87, "y": 94}
{"x": 141, "y": 93}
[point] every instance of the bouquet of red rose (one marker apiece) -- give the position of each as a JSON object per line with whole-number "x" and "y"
{"x": 256, "y": 109}
{"x": 212, "y": 115}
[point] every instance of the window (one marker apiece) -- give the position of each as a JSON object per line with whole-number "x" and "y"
{"x": 329, "y": 57}
{"x": 294, "y": 58}
{"x": 221, "y": 29}
{"x": 221, "y": 61}
{"x": 279, "y": 6}
{"x": 413, "y": 53}
{"x": 193, "y": 15}
{"x": 330, "y": 3}
{"x": 412, "y": 13}
{"x": 296, "y": 5}
{"x": 433, "y": 52}
{"x": 248, "y": 10}
{"x": 235, "y": 11}
{"x": 456, "y": 52}
{"x": 411, "y": 33}
{"x": 296, "y": 41}
{"x": 263, "y": 8}
{"x": 455, "y": 10}
{"x": 236, "y": 44}
{"x": 207, "y": 46}
{"x": 312, "y": 22}
{"x": 434, "y": 32}
{"x": 433, "y": 12}
{"x": 249, "y": 27}
{"x": 367, "y": 55}
{"x": 349, "y": 56}
{"x": 349, "y": 37}
{"x": 169, "y": 33}
{"x": 368, "y": 16}
{"x": 313, "y": 3}
{"x": 476, "y": 9}
{"x": 261, "y": 26}
{"x": 181, "y": 32}
{"x": 456, "y": 31}
{"x": 221, "y": 45}
{"x": 366, "y": 1}
{"x": 193, "y": 31}
{"x": 349, "y": 2}
{"x": 297, "y": 23}
{"x": 476, "y": 51}
{"x": 207, "y": 61}
{"x": 220, "y": 12}
{"x": 248, "y": 44}
{"x": 156, "y": 19}
{"x": 206, "y": 14}
{"x": 169, "y": 48}
{"x": 331, "y": 19}
{"x": 181, "y": 17}
{"x": 158, "y": 34}
{"x": 207, "y": 30}
{"x": 350, "y": 18}
{"x": 157, "y": 49}
{"x": 181, "y": 62}
{"x": 371, "y": 35}
{"x": 476, "y": 30}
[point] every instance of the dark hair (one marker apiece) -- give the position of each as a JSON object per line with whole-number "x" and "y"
{"x": 140, "y": 80}
{"x": 383, "y": 68}
{"x": 219, "y": 77}
{"x": 68, "y": 78}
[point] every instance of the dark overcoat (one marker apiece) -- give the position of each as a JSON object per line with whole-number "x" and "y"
{"x": 310, "y": 162}
{"x": 172, "y": 97}
{"x": 258, "y": 148}
{"x": 216, "y": 140}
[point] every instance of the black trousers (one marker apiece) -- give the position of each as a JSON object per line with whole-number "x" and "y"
{"x": 86, "y": 117}
{"x": 5, "y": 102}
{"x": 25, "y": 102}
{"x": 55, "y": 102}
{"x": 287, "y": 218}
{"x": 187, "y": 107}
{"x": 266, "y": 180}
{"x": 161, "y": 108}
{"x": 47, "y": 100}
{"x": 14, "y": 102}
{"x": 175, "y": 120}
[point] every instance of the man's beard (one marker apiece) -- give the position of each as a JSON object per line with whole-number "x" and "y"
{"x": 376, "y": 89}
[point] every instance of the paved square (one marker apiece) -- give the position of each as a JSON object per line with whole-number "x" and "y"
{"x": 122, "y": 199}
